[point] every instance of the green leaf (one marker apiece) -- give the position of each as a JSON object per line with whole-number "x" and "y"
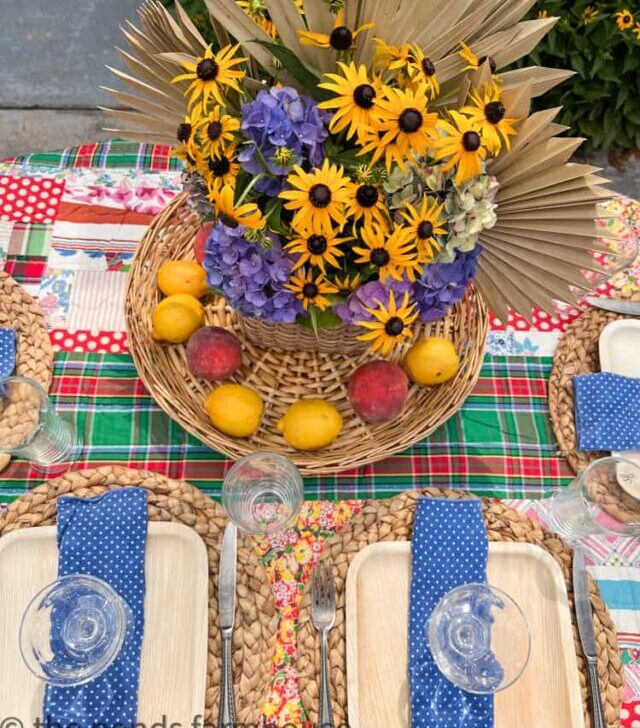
{"x": 304, "y": 75}
{"x": 317, "y": 319}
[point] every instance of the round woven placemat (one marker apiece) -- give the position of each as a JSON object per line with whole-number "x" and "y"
{"x": 34, "y": 353}
{"x": 392, "y": 520}
{"x": 175, "y": 500}
{"x": 577, "y": 353}
{"x": 283, "y": 377}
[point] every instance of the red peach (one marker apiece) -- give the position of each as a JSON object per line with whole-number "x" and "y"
{"x": 213, "y": 353}
{"x": 201, "y": 241}
{"x": 378, "y": 390}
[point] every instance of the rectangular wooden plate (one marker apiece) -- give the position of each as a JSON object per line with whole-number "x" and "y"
{"x": 174, "y": 651}
{"x": 547, "y": 695}
{"x": 619, "y": 348}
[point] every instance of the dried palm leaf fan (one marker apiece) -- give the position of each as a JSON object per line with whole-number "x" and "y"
{"x": 547, "y": 206}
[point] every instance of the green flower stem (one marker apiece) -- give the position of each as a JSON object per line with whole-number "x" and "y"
{"x": 249, "y": 187}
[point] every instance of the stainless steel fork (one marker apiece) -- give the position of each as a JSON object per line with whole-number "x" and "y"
{"x": 323, "y": 615}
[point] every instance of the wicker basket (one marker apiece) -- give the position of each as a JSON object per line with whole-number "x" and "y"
{"x": 281, "y": 376}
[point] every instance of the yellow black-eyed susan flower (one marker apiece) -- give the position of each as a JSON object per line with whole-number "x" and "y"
{"x": 353, "y": 99}
{"x": 347, "y": 284}
{"x": 391, "y": 325}
{"x": 487, "y": 113}
{"x": 425, "y": 223}
{"x": 461, "y": 145}
{"x": 211, "y": 74}
{"x": 247, "y": 214}
{"x": 311, "y": 290}
{"x": 390, "y": 253}
{"x": 318, "y": 197}
{"x": 341, "y": 37}
{"x": 589, "y": 14}
{"x": 407, "y": 125}
{"x": 318, "y": 249}
{"x": 216, "y": 131}
{"x": 220, "y": 169}
{"x": 421, "y": 69}
{"x": 257, "y": 11}
{"x": 624, "y": 19}
{"x": 366, "y": 202}
{"x": 186, "y": 149}
{"x": 636, "y": 31}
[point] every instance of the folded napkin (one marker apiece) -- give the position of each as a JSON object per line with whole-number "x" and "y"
{"x": 606, "y": 409}
{"x": 7, "y": 352}
{"x": 449, "y": 548}
{"x": 105, "y": 537}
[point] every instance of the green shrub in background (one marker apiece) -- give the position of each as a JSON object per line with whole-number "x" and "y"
{"x": 601, "y": 43}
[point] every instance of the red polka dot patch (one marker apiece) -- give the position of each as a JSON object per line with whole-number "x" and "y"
{"x": 97, "y": 342}
{"x": 29, "y": 199}
{"x": 542, "y": 321}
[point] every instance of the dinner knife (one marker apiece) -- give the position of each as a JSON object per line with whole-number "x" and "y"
{"x": 226, "y": 616}
{"x": 584, "y": 617}
{"x": 629, "y": 308}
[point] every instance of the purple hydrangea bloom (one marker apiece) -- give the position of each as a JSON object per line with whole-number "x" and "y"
{"x": 251, "y": 278}
{"x": 280, "y": 117}
{"x": 443, "y": 284}
{"x": 370, "y": 295}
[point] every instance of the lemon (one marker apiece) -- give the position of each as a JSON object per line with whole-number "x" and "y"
{"x": 310, "y": 424}
{"x": 175, "y": 322}
{"x": 431, "y": 361}
{"x": 182, "y": 276}
{"x": 185, "y": 299}
{"x": 234, "y": 409}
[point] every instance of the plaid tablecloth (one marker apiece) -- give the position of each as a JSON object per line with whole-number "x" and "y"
{"x": 69, "y": 226}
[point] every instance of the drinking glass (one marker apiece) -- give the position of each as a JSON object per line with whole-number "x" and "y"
{"x": 31, "y": 429}
{"x": 73, "y": 630}
{"x": 262, "y": 493}
{"x": 479, "y": 638}
{"x": 603, "y": 499}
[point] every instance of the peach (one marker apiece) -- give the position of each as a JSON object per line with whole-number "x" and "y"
{"x": 378, "y": 390}
{"x": 213, "y": 353}
{"x": 201, "y": 241}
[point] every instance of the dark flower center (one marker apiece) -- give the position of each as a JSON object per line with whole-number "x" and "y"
{"x": 367, "y": 195}
{"x": 316, "y": 244}
{"x": 227, "y": 220}
{"x": 309, "y": 290}
{"x": 410, "y": 120}
{"x": 184, "y": 132}
{"x": 626, "y": 18}
{"x": 364, "y": 95}
{"x": 427, "y": 67}
{"x": 207, "y": 69}
{"x": 471, "y": 141}
{"x": 379, "y": 257}
{"x": 267, "y": 15}
{"x": 494, "y": 112}
{"x": 214, "y": 130}
{"x": 492, "y": 63}
{"x": 341, "y": 38}
{"x": 219, "y": 166}
{"x": 425, "y": 230}
{"x": 320, "y": 195}
{"x": 394, "y": 326}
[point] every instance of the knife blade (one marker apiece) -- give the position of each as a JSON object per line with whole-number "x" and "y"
{"x": 629, "y": 308}
{"x": 226, "y": 616}
{"x": 227, "y": 578}
{"x": 584, "y": 618}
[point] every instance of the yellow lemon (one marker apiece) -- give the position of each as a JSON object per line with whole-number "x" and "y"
{"x": 174, "y": 322}
{"x": 431, "y": 361}
{"x": 310, "y": 424}
{"x": 182, "y": 276}
{"x": 185, "y": 299}
{"x": 234, "y": 409}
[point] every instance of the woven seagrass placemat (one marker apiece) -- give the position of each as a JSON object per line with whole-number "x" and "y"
{"x": 174, "y": 500}
{"x": 392, "y": 520}
{"x": 577, "y": 353}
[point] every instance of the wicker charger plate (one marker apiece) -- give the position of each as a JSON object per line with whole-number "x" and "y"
{"x": 283, "y": 377}
{"x": 577, "y": 353}
{"x": 174, "y": 500}
{"x": 392, "y": 520}
{"x": 34, "y": 353}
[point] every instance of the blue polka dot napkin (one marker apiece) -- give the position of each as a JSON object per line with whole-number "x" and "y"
{"x": 606, "y": 409}
{"x": 105, "y": 537}
{"x": 449, "y": 548}
{"x": 7, "y": 352}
